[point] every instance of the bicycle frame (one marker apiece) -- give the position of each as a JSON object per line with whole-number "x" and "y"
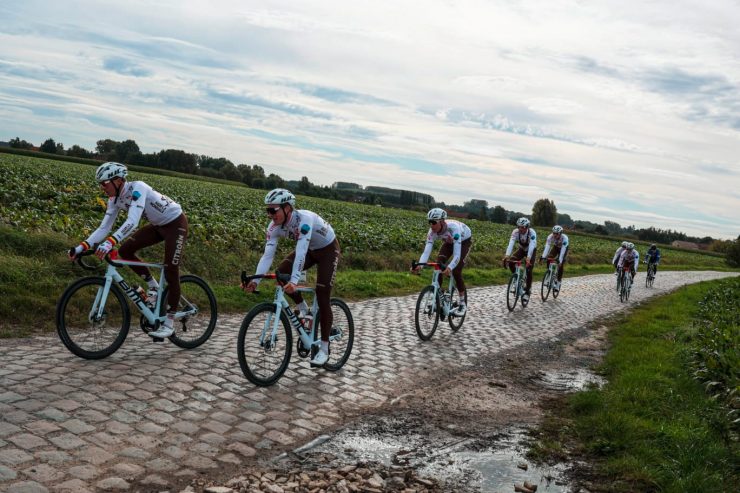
{"x": 445, "y": 302}
{"x": 520, "y": 274}
{"x": 281, "y": 304}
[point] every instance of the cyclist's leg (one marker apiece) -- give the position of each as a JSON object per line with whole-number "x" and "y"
{"x": 518, "y": 255}
{"x": 146, "y": 236}
{"x": 529, "y": 270}
{"x": 175, "y": 233}
{"x": 327, "y": 259}
{"x": 561, "y": 267}
{"x": 457, "y": 271}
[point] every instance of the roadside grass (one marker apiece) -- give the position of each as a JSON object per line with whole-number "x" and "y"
{"x": 652, "y": 427}
{"x": 34, "y": 272}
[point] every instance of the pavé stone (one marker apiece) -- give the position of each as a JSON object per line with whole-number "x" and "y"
{"x": 76, "y": 426}
{"x": 6, "y": 473}
{"x": 7, "y": 429}
{"x": 29, "y": 405}
{"x": 66, "y": 405}
{"x": 149, "y": 427}
{"x": 52, "y": 414}
{"x": 27, "y": 441}
{"x": 118, "y": 428}
{"x": 135, "y": 453}
{"x": 95, "y": 455}
{"x": 175, "y": 452}
{"x": 128, "y": 471}
{"x": 212, "y": 438}
{"x": 113, "y": 484}
{"x": 126, "y": 417}
{"x": 91, "y": 415}
{"x": 52, "y": 456}
{"x": 72, "y": 486}
{"x": 14, "y": 456}
{"x": 18, "y": 417}
{"x": 161, "y": 465}
{"x": 27, "y": 487}
{"x": 84, "y": 472}
{"x": 67, "y": 441}
{"x": 43, "y": 473}
{"x": 41, "y": 427}
{"x": 10, "y": 397}
{"x": 199, "y": 462}
{"x": 242, "y": 448}
{"x": 216, "y": 427}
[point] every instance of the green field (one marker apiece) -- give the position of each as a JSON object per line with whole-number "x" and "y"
{"x": 47, "y": 206}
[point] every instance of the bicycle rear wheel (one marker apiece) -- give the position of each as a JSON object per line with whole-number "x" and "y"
{"x": 79, "y": 328}
{"x": 427, "y": 314}
{"x": 341, "y": 336}
{"x": 512, "y": 292}
{"x": 196, "y": 297}
{"x": 456, "y": 321}
{"x": 546, "y": 286}
{"x": 264, "y": 359}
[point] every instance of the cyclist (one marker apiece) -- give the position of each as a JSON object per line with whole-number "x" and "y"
{"x": 652, "y": 258}
{"x": 526, "y": 239}
{"x": 617, "y": 254}
{"x": 167, "y": 222}
{"x": 629, "y": 258}
{"x": 558, "y": 241}
{"x": 316, "y": 244}
{"x": 456, "y": 242}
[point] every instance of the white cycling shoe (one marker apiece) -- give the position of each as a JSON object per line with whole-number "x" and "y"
{"x": 162, "y": 332}
{"x": 320, "y": 359}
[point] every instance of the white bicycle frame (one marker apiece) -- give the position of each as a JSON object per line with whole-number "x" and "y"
{"x": 281, "y": 304}
{"x": 112, "y": 275}
{"x": 446, "y": 300}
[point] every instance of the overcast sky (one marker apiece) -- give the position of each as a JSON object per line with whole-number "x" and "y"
{"x": 623, "y": 110}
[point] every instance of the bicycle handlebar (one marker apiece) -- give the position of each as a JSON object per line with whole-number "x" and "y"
{"x": 435, "y": 265}
{"x": 110, "y": 257}
{"x": 281, "y": 278}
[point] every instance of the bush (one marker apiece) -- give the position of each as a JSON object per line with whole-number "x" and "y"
{"x": 733, "y": 254}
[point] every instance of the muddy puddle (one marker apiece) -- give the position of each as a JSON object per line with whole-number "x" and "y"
{"x": 568, "y": 380}
{"x": 494, "y": 463}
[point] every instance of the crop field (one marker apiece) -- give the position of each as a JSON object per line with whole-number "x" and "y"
{"x": 41, "y": 194}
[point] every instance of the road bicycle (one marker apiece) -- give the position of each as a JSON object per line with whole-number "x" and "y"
{"x": 265, "y": 341}
{"x": 549, "y": 280}
{"x": 93, "y": 317}
{"x": 626, "y": 285}
{"x": 435, "y": 304}
{"x": 650, "y": 276}
{"x": 619, "y": 279}
{"x": 515, "y": 290}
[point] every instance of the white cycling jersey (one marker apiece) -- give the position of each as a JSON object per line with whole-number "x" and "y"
{"x": 617, "y": 254}
{"x": 454, "y": 232}
{"x": 138, "y": 199}
{"x": 528, "y": 240}
{"x": 561, "y": 243}
{"x": 625, "y": 257}
{"x": 309, "y": 231}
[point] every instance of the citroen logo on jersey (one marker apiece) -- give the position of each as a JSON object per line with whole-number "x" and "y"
{"x": 136, "y": 195}
{"x": 305, "y": 228}
{"x": 456, "y": 236}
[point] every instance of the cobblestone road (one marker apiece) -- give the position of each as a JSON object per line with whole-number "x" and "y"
{"x": 154, "y": 412}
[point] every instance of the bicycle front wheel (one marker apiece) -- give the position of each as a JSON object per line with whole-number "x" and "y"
{"x": 84, "y": 332}
{"x": 262, "y": 356}
{"x": 427, "y": 314}
{"x": 546, "y": 286}
{"x": 512, "y": 292}
{"x": 456, "y": 321}
{"x": 197, "y": 299}
{"x": 341, "y": 336}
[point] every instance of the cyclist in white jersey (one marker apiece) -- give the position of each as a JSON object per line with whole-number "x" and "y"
{"x": 558, "y": 242}
{"x": 629, "y": 259}
{"x": 316, "y": 245}
{"x": 167, "y": 223}
{"x": 617, "y": 254}
{"x": 526, "y": 240}
{"x": 456, "y": 242}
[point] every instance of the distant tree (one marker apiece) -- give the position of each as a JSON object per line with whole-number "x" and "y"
{"x": 612, "y": 227}
{"x": 544, "y": 213}
{"x": 126, "y": 151}
{"x": 274, "y": 181}
{"x": 499, "y": 215}
{"x": 17, "y": 143}
{"x": 599, "y": 229}
{"x": 733, "y": 254}
{"x": 565, "y": 220}
{"x": 253, "y": 175}
{"x": 49, "y": 146}
{"x": 60, "y": 148}
{"x": 105, "y": 148}
{"x": 177, "y": 160}
{"x": 304, "y": 186}
{"x": 78, "y": 151}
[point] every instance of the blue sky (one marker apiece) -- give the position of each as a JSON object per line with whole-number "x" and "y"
{"x": 627, "y": 111}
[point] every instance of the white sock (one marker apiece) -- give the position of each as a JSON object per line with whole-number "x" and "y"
{"x": 302, "y": 307}
{"x": 325, "y": 346}
{"x": 153, "y": 284}
{"x": 170, "y": 320}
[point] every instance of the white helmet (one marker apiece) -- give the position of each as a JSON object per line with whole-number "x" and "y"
{"x": 557, "y": 229}
{"x": 625, "y": 243}
{"x": 279, "y": 196}
{"x": 108, "y": 171}
{"x": 436, "y": 214}
{"x": 630, "y": 246}
{"x": 522, "y": 222}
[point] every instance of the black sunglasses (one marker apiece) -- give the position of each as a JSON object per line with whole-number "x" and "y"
{"x": 432, "y": 222}
{"x": 272, "y": 210}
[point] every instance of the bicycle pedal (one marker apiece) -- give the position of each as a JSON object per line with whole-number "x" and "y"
{"x": 157, "y": 339}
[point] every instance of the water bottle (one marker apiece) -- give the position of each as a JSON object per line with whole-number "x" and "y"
{"x": 141, "y": 292}
{"x": 308, "y": 321}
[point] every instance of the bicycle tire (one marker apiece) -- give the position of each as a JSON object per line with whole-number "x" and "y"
{"x": 193, "y": 291}
{"x": 512, "y": 291}
{"x": 251, "y": 332}
{"x": 425, "y": 300}
{"x": 546, "y": 285}
{"x": 67, "y": 308}
{"x": 345, "y": 333}
{"x": 456, "y": 321}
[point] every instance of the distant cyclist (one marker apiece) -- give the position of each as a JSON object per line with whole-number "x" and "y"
{"x": 456, "y": 242}
{"x": 629, "y": 259}
{"x": 558, "y": 242}
{"x": 526, "y": 240}
{"x": 617, "y": 254}
{"x": 652, "y": 258}
{"x": 167, "y": 223}
{"x": 316, "y": 244}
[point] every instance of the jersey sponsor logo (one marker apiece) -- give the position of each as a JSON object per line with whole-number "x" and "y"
{"x": 136, "y": 195}
{"x": 305, "y": 228}
{"x": 456, "y": 236}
